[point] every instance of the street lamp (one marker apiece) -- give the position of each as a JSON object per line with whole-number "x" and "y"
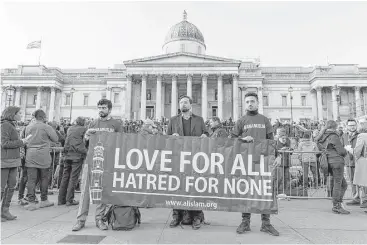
{"x": 290, "y": 90}
{"x": 71, "y": 101}
{"x": 10, "y": 92}
{"x": 337, "y": 92}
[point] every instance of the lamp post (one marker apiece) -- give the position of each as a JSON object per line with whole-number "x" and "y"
{"x": 337, "y": 90}
{"x": 290, "y": 90}
{"x": 10, "y": 92}
{"x": 71, "y": 101}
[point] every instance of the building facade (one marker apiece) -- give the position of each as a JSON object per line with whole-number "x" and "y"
{"x": 151, "y": 86}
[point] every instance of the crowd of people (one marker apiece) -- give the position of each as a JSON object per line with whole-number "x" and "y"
{"x": 323, "y": 150}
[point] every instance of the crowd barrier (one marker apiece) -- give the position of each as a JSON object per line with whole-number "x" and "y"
{"x": 298, "y": 179}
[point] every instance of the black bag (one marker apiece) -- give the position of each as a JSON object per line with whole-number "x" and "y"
{"x": 123, "y": 218}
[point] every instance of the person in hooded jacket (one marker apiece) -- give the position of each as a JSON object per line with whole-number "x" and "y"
{"x": 10, "y": 158}
{"x": 283, "y": 143}
{"x": 308, "y": 159}
{"x": 330, "y": 141}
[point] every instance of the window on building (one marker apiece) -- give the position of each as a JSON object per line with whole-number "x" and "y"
{"x": 67, "y": 99}
{"x": 265, "y": 100}
{"x": 284, "y": 100}
{"x": 216, "y": 94}
{"x": 86, "y": 97}
{"x": 303, "y": 100}
{"x": 182, "y": 47}
{"x": 35, "y": 99}
{"x": 199, "y": 50}
{"x": 116, "y": 98}
{"x": 149, "y": 94}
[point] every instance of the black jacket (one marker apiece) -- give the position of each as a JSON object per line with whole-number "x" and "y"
{"x": 330, "y": 141}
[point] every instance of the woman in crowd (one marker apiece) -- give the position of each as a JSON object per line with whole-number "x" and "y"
{"x": 10, "y": 158}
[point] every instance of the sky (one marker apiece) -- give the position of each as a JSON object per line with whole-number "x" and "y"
{"x": 102, "y": 34}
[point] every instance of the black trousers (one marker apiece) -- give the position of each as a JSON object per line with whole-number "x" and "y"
{"x": 69, "y": 180}
{"x": 43, "y": 175}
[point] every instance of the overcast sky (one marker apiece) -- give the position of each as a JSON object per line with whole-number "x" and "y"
{"x": 81, "y": 35}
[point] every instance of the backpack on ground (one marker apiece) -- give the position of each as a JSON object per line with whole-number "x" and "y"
{"x": 123, "y": 218}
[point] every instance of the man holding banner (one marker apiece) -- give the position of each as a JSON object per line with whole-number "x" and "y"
{"x": 107, "y": 124}
{"x": 187, "y": 124}
{"x": 253, "y": 127}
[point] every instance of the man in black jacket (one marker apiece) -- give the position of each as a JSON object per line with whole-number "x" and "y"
{"x": 187, "y": 124}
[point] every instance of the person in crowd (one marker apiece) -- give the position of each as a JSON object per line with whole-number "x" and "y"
{"x": 38, "y": 159}
{"x": 250, "y": 127}
{"x": 217, "y": 128}
{"x": 10, "y": 157}
{"x": 105, "y": 122}
{"x": 149, "y": 128}
{"x": 75, "y": 153}
{"x": 187, "y": 124}
{"x": 350, "y": 139}
{"x": 283, "y": 144}
{"x": 308, "y": 159}
{"x": 330, "y": 141}
{"x": 360, "y": 155}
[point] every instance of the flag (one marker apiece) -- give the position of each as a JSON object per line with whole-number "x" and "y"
{"x": 35, "y": 44}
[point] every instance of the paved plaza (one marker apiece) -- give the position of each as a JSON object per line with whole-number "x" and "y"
{"x": 298, "y": 221}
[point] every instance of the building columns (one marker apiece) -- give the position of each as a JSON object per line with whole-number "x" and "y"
{"x": 335, "y": 102}
{"x": 158, "y": 100}
{"x": 357, "y": 94}
{"x": 163, "y": 99}
{"x": 204, "y": 96}
{"x": 235, "y": 97}
{"x": 189, "y": 85}
{"x": 51, "y": 111}
{"x": 39, "y": 94}
{"x": 319, "y": 103}
{"x": 128, "y": 97}
{"x": 174, "y": 99}
{"x": 220, "y": 96}
{"x": 143, "y": 103}
{"x": 24, "y": 104}
{"x": 18, "y": 94}
{"x": 314, "y": 104}
{"x": 260, "y": 97}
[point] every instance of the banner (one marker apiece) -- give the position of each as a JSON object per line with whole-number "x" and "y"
{"x": 218, "y": 174}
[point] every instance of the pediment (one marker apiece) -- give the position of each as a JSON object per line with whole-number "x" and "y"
{"x": 181, "y": 58}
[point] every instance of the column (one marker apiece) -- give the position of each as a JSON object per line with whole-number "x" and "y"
{"x": 174, "y": 96}
{"x": 235, "y": 97}
{"x": 244, "y": 91}
{"x": 18, "y": 94}
{"x": 158, "y": 100}
{"x": 260, "y": 97}
{"x": 204, "y": 96}
{"x": 51, "y": 111}
{"x": 108, "y": 93}
{"x": 58, "y": 94}
{"x": 189, "y": 85}
{"x": 128, "y": 97}
{"x": 39, "y": 94}
{"x": 24, "y": 104}
{"x": 163, "y": 97}
{"x": 143, "y": 103}
{"x": 319, "y": 103}
{"x": 314, "y": 104}
{"x": 357, "y": 94}
{"x": 335, "y": 103}
{"x": 3, "y": 98}
{"x": 220, "y": 96}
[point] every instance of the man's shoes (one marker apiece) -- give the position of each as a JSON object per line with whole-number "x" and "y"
{"x": 45, "y": 204}
{"x": 338, "y": 209}
{"x": 196, "y": 223}
{"x": 243, "y": 227}
{"x": 72, "y": 203}
{"x": 61, "y": 203}
{"x": 78, "y": 226}
{"x": 364, "y": 205}
{"x": 353, "y": 203}
{"x": 268, "y": 228}
{"x": 101, "y": 225}
{"x": 174, "y": 223}
{"x": 6, "y": 214}
{"x": 22, "y": 202}
{"x": 31, "y": 206}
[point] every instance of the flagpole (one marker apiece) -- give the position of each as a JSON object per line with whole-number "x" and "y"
{"x": 39, "y": 57}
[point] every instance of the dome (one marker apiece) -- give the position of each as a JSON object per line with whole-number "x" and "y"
{"x": 184, "y": 31}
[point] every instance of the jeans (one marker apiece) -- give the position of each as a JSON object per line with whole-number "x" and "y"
{"x": 8, "y": 182}
{"x": 69, "y": 180}
{"x": 43, "y": 175}
{"x": 265, "y": 218}
{"x": 340, "y": 184}
{"x": 85, "y": 199}
{"x": 23, "y": 182}
{"x": 314, "y": 172}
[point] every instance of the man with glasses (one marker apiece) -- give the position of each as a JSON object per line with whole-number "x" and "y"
{"x": 104, "y": 123}
{"x": 349, "y": 140}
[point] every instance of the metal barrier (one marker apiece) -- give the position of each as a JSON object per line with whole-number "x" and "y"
{"x": 298, "y": 179}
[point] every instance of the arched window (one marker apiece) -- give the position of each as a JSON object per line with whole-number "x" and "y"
{"x": 199, "y": 50}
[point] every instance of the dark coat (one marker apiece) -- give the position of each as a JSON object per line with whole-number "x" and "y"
{"x": 335, "y": 151}
{"x": 75, "y": 148}
{"x": 197, "y": 126}
{"x": 10, "y": 144}
{"x": 346, "y": 140}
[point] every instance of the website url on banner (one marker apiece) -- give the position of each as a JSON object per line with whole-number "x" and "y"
{"x": 193, "y": 204}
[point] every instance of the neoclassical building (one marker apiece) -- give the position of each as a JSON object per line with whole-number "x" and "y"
{"x": 151, "y": 86}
